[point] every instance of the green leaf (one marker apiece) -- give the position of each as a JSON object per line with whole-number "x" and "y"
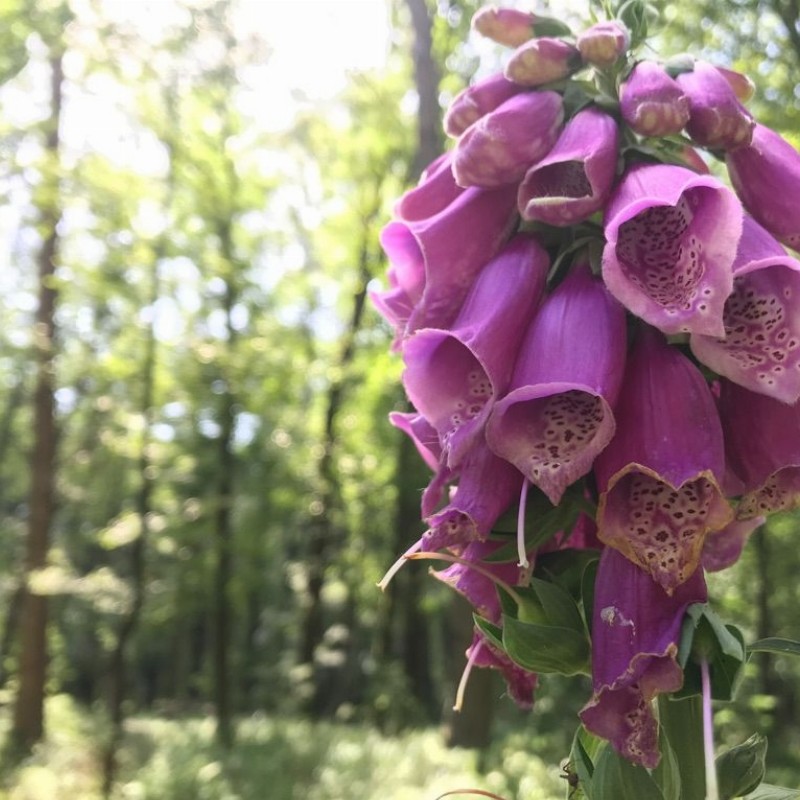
{"x": 616, "y": 778}
{"x": 550, "y": 26}
{"x": 584, "y": 750}
{"x": 491, "y": 631}
{"x": 768, "y": 792}
{"x": 566, "y": 567}
{"x": 667, "y": 774}
{"x": 588, "y": 580}
{"x": 560, "y": 610}
{"x": 545, "y": 648}
{"x": 780, "y": 647}
{"x": 741, "y": 769}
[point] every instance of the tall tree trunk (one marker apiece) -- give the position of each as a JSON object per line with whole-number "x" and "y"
{"x": 117, "y": 666}
{"x": 28, "y": 718}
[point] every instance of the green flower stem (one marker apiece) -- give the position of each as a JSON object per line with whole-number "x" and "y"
{"x": 682, "y": 721}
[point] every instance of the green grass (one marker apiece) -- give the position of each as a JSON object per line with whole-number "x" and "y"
{"x": 274, "y": 759}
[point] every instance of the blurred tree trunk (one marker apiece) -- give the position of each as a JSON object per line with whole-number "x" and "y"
{"x": 325, "y": 539}
{"x": 28, "y": 717}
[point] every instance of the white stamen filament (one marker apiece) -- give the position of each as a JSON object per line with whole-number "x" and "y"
{"x": 712, "y": 790}
{"x": 395, "y": 568}
{"x": 523, "y": 502}
{"x": 462, "y": 684}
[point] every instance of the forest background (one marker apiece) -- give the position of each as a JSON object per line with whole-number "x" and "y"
{"x": 199, "y": 487}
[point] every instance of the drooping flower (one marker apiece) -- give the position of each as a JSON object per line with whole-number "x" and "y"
{"x": 652, "y": 103}
{"x": 604, "y": 43}
{"x": 574, "y": 179}
{"x": 723, "y": 548}
{"x": 476, "y": 101}
{"x": 542, "y": 60}
{"x": 501, "y": 145}
{"x": 716, "y": 117}
{"x": 448, "y": 260}
{"x": 659, "y": 477}
{"x": 671, "y": 239}
{"x": 766, "y": 176}
{"x": 487, "y": 485}
{"x": 762, "y": 443}
{"x": 557, "y": 415}
{"x": 761, "y": 346}
{"x": 454, "y": 375}
{"x": 635, "y": 633}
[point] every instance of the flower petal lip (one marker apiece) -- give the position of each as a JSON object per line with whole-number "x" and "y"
{"x": 421, "y": 433}
{"x": 671, "y": 237}
{"x": 659, "y": 477}
{"x": 476, "y": 101}
{"x": 574, "y": 179}
{"x": 520, "y": 683}
{"x": 500, "y": 146}
{"x": 762, "y": 443}
{"x": 557, "y": 415}
{"x": 541, "y": 61}
{"x": 761, "y": 347}
{"x": 454, "y": 375}
{"x": 635, "y": 633}
{"x": 652, "y": 103}
{"x": 723, "y": 548}
{"x": 766, "y": 176}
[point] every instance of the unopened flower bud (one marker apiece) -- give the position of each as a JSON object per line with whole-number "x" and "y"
{"x": 604, "y": 43}
{"x": 716, "y": 117}
{"x": 541, "y": 61}
{"x": 652, "y": 103}
{"x": 476, "y": 101}
{"x": 512, "y": 27}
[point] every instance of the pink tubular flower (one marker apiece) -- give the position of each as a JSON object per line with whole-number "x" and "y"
{"x": 520, "y": 683}
{"x": 453, "y": 376}
{"x": 635, "y": 634}
{"x": 487, "y": 485}
{"x": 434, "y": 263}
{"x": 766, "y": 176}
{"x": 506, "y": 26}
{"x": 500, "y": 146}
{"x": 652, "y": 103}
{"x": 558, "y": 414}
{"x": 476, "y": 101}
{"x": 671, "y": 239}
{"x": 742, "y": 86}
{"x": 436, "y": 190}
{"x": 603, "y": 43}
{"x": 762, "y": 443}
{"x": 541, "y": 61}
{"x": 761, "y": 346}
{"x": 659, "y": 477}
{"x": 716, "y": 117}
{"x": 574, "y": 179}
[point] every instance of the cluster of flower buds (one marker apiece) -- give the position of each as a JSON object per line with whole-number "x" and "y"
{"x": 586, "y": 314}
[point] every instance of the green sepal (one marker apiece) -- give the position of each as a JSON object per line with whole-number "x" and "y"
{"x": 546, "y": 648}
{"x": 615, "y": 777}
{"x": 550, "y": 26}
{"x": 741, "y": 769}
{"x": 776, "y": 646}
{"x": 705, "y": 636}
